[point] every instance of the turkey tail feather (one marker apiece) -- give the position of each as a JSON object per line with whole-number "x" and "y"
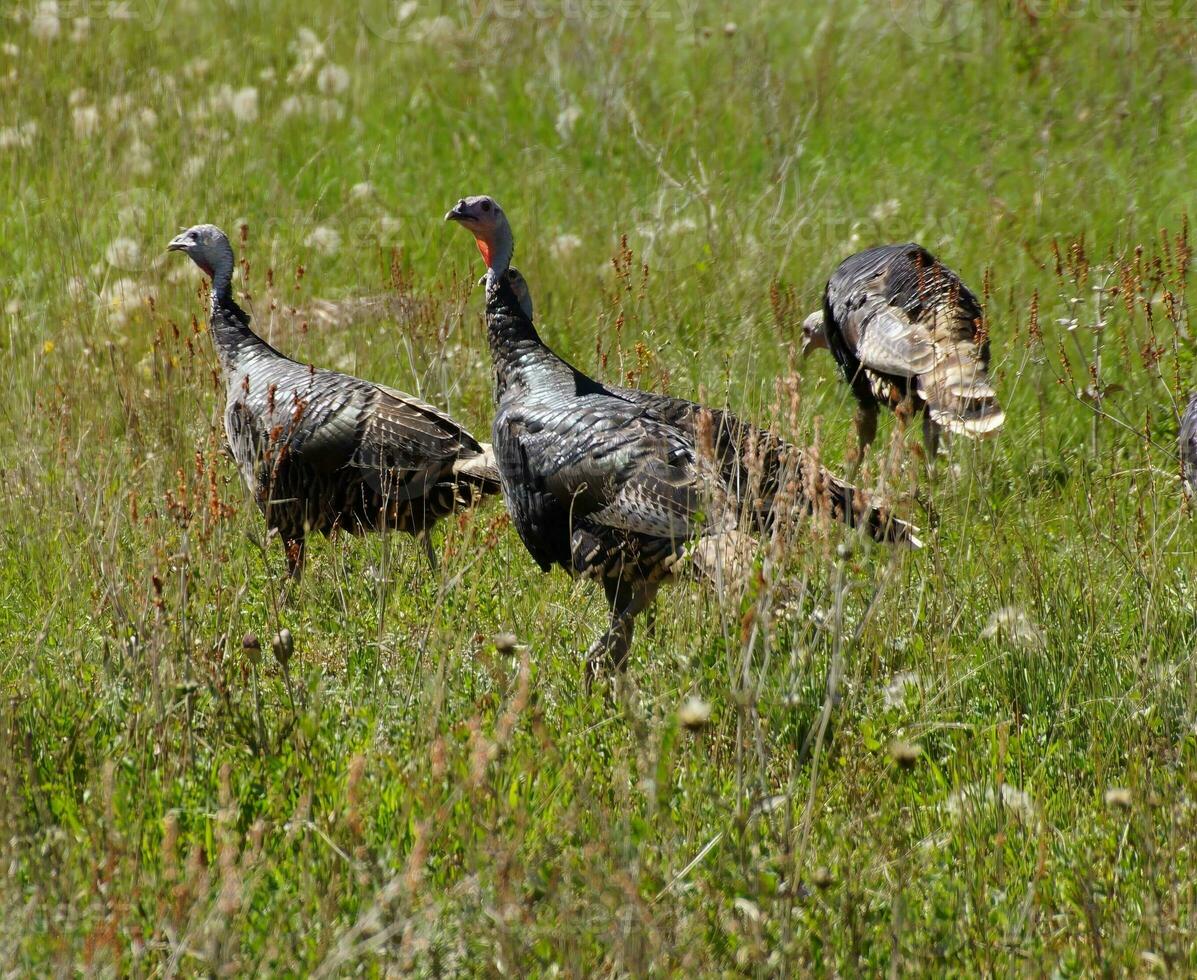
{"x": 481, "y": 469}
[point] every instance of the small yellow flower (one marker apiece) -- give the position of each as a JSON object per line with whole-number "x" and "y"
{"x": 48, "y": 347}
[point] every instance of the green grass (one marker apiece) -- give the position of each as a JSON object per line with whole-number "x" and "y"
{"x": 406, "y": 798}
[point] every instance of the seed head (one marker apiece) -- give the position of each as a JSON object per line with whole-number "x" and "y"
{"x": 283, "y": 646}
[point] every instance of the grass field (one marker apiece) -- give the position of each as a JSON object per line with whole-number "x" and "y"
{"x": 974, "y": 759}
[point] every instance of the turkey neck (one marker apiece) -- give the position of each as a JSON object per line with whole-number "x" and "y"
{"x": 230, "y": 324}
{"x": 522, "y": 361}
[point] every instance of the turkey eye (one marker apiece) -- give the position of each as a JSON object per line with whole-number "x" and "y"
{"x": 486, "y": 205}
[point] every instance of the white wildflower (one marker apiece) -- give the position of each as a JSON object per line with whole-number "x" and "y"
{"x": 80, "y": 28}
{"x": 405, "y": 10}
{"x": 145, "y": 118}
{"x": 567, "y": 118}
{"x": 244, "y": 104}
{"x": 968, "y": 800}
{"x": 267, "y": 76}
{"x": 19, "y": 136}
{"x": 900, "y": 687}
{"x": 682, "y": 226}
{"x": 1014, "y": 626}
{"x": 45, "y": 25}
{"x": 325, "y": 240}
{"x": 85, "y": 120}
{"x": 564, "y": 246}
{"x": 119, "y": 10}
{"x": 361, "y": 191}
{"x": 10, "y": 49}
{"x": 123, "y": 253}
{"x": 13, "y": 307}
{"x": 332, "y": 80}
{"x": 76, "y": 288}
{"x": 77, "y": 97}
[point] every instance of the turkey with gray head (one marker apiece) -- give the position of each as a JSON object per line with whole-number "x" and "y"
{"x": 1188, "y": 445}
{"x": 619, "y": 484}
{"x": 903, "y": 327}
{"x": 320, "y": 450}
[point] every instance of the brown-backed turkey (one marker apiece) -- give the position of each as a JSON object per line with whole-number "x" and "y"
{"x": 904, "y": 328}
{"x": 320, "y": 450}
{"x": 617, "y": 483}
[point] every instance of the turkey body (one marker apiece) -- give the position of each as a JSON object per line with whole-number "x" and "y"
{"x": 615, "y": 483}
{"x": 319, "y": 450}
{"x": 905, "y": 329}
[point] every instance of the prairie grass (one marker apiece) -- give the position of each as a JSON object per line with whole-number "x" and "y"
{"x": 974, "y": 759}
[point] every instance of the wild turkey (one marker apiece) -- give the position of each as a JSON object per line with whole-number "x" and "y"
{"x": 320, "y": 450}
{"x": 1188, "y": 445}
{"x": 612, "y": 483}
{"x": 903, "y": 327}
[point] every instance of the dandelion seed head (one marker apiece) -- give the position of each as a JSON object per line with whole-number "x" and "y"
{"x": 694, "y": 713}
{"x": 567, "y": 118}
{"x": 45, "y": 25}
{"x": 244, "y": 104}
{"x": 1013, "y": 625}
{"x": 388, "y": 228}
{"x": 900, "y": 687}
{"x": 193, "y": 167}
{"x": 330, "y": 110}
{"x": 123, "y": 253}
{"x": 292, "y": 105}
{"x": 434, "y": 30}
{"x": 85, "y": 121}
{"x": 1119, "y": 798}
{"x": 361, "y": 190}
{"x": 19, "y": 136}
{"x": 138, "y": 159}
{"x": 968, "y": 800}
{"x": 564, "y": 245}
{"x": 325, "y": 240}
{"x": 332, "y": 79}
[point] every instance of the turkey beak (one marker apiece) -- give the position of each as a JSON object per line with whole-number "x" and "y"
{"x": 180, "y": 243}
{"x": 458, "y": 212}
